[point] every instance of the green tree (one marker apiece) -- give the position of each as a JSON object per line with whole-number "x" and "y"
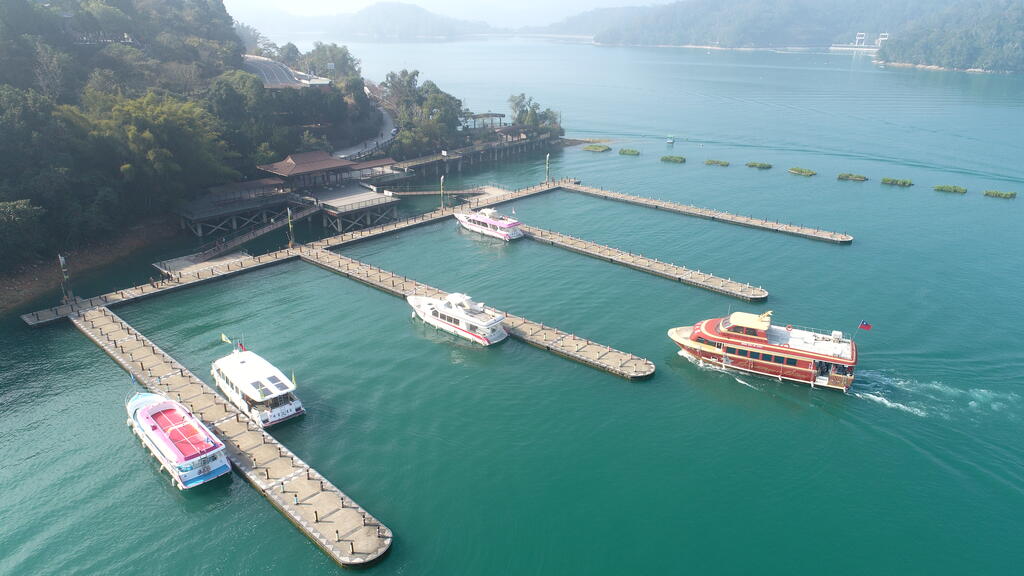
{"x": 21, "y": 232}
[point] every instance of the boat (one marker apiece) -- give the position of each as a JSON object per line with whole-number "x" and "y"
{"x": 489, "y": 222}
{"x": 751, "y": 343}
{"x": 184, "y": 446}
{"x": 458, "y": 314}
{"x": 670, "y": 140}
{"x": 256, "y": 387}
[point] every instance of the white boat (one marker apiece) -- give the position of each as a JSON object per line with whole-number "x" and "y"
{"x": 256, "y": 387}
{"x": 458, "y": 314}
{"x": 670, "y": 140}
{"x": 489, "y": 222}
{"x": 184, "y": 446}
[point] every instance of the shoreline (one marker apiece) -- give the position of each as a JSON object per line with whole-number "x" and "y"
{"x": 36, "y": 279}
{"x": 936, "y": 67}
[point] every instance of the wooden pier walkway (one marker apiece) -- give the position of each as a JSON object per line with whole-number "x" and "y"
{"x": 696, "y": 278}
{"x": 492, "y": 196}
{"x": 717, "y": 215}
{"x": 332, "y": 520}
{"x": 548, "y": 338}
{"x": 174, "y": 282}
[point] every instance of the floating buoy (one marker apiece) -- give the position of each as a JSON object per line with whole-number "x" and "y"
{"x": 789, "y": 327}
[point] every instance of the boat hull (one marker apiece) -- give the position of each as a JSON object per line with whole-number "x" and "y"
{"x": 422, "y": 309}
{"x": 703, "y": 354}
{"x": 506, "y": 234}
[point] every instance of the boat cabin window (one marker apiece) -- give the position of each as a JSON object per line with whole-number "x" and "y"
{"x": 730, "y": 350}
{"x": 790, "y": 361}
{"x": 779, "y": 359}
{"x": 751, "y": 332}
{"x": 434, "y": 312}
{"x": 743, "y": 352}
{"x": 472, "y": 328}
{"x": 755, "y": 355}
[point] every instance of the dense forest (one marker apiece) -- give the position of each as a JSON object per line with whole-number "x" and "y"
{"x": 970, "y": 34}
{"x": 961, "y": 34}
{"x": 116, "y": 109}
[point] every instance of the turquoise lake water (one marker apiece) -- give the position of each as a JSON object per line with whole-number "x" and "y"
{"x": 511, "y": 460}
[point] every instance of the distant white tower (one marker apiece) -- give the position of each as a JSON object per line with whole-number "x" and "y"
{"x": 881, "y": 39}
{"x": 861, "y": 39}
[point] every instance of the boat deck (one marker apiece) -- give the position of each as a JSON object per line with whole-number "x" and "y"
{"x": 189, "y": 441}
{"x": 808, "y": 341}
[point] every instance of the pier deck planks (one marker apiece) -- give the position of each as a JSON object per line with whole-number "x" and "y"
{"x": 717, "y": 215}
{"x": 332, "y": 520}
{"x": 545, "y": 337}
{"x": 682, "y": 274}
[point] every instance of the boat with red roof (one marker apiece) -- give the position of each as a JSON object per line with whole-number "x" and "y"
{"x": 490, "y": 223}
{"x": 751, "y": 343}
{"x": 184, "y": 446}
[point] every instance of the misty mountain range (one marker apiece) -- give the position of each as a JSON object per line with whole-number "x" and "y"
{"x": 986, "y": 34}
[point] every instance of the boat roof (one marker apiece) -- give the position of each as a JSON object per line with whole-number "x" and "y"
{"x": 465, "y": 306}
{"x": 835, "y": 345}
{"x": 492, "y": 216}
{"x": 176, "y": 431}
{"x": 748, "y": 320}
{"x": 253, "y": 375}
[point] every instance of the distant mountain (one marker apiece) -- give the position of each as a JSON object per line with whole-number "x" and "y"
{"x": 588, "y": 23}
{"x": 383, "y": 22}
{"x": 963, "y": 34}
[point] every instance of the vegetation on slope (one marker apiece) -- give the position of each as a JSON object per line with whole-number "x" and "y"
{"x": 112, "y": 110}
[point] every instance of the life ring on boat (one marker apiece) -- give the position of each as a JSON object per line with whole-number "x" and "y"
{"x": 789, "y": 327}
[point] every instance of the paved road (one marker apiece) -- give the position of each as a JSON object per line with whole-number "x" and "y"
{"x": 273, "y": 74}
{"x": 371, "y": 143}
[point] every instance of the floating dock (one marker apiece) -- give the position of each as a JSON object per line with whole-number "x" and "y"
{"x": 332, "y": 520}
{"x": 695, "y": 278}
{"x": 717, "y": 215}
{"x": 548, "y": 338}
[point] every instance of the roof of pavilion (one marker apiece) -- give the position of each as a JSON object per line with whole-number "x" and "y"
{"x": 306, "y": 163}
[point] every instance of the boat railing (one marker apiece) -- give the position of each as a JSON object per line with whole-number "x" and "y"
{"x": 827, "y": 333}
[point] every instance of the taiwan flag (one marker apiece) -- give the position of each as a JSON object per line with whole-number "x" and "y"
{"x": 864, "y": 325}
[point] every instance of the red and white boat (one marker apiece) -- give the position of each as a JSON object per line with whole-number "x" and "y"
{"x": 750, "y": 343}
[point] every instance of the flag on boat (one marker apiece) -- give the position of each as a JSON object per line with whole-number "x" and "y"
{"x": 224, "y": 339}
{"x": 864, "y": 325}
{"x": 242, "y": 347}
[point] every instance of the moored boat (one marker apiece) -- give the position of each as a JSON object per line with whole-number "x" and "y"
{"x": 458, "y": 314}
{"x": 184, "y": 445}
{"x": 489, "y": 222}
{"x": 751, "y": 343}
{"x": 256, "y": 387}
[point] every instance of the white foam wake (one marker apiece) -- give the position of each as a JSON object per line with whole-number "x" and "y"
{"x": 890, "y": 404}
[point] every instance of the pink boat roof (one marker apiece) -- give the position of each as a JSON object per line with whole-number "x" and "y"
{"x": 181, "y": 435}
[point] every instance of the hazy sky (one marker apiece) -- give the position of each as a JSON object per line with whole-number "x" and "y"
{"x": 504, "y": 13}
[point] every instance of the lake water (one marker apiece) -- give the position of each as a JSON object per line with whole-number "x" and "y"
{"x": 514, "y": 461}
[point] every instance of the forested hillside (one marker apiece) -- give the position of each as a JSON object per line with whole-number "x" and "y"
{"x": 960, "y": 34}
{"x": 115, "y": 109}
{"x": 980, "y": 34}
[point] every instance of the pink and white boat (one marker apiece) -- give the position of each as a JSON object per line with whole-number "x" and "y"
{"x": 490, "y": 223}
{"x": 184, "y": 446}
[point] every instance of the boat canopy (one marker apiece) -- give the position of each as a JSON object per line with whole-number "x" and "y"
{"x": 253, "y": 375}
{"x": 748, "y": 320}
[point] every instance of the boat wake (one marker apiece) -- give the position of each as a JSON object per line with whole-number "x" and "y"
{"x": 931, "y": 398}
{"x": 890, "y": 404}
